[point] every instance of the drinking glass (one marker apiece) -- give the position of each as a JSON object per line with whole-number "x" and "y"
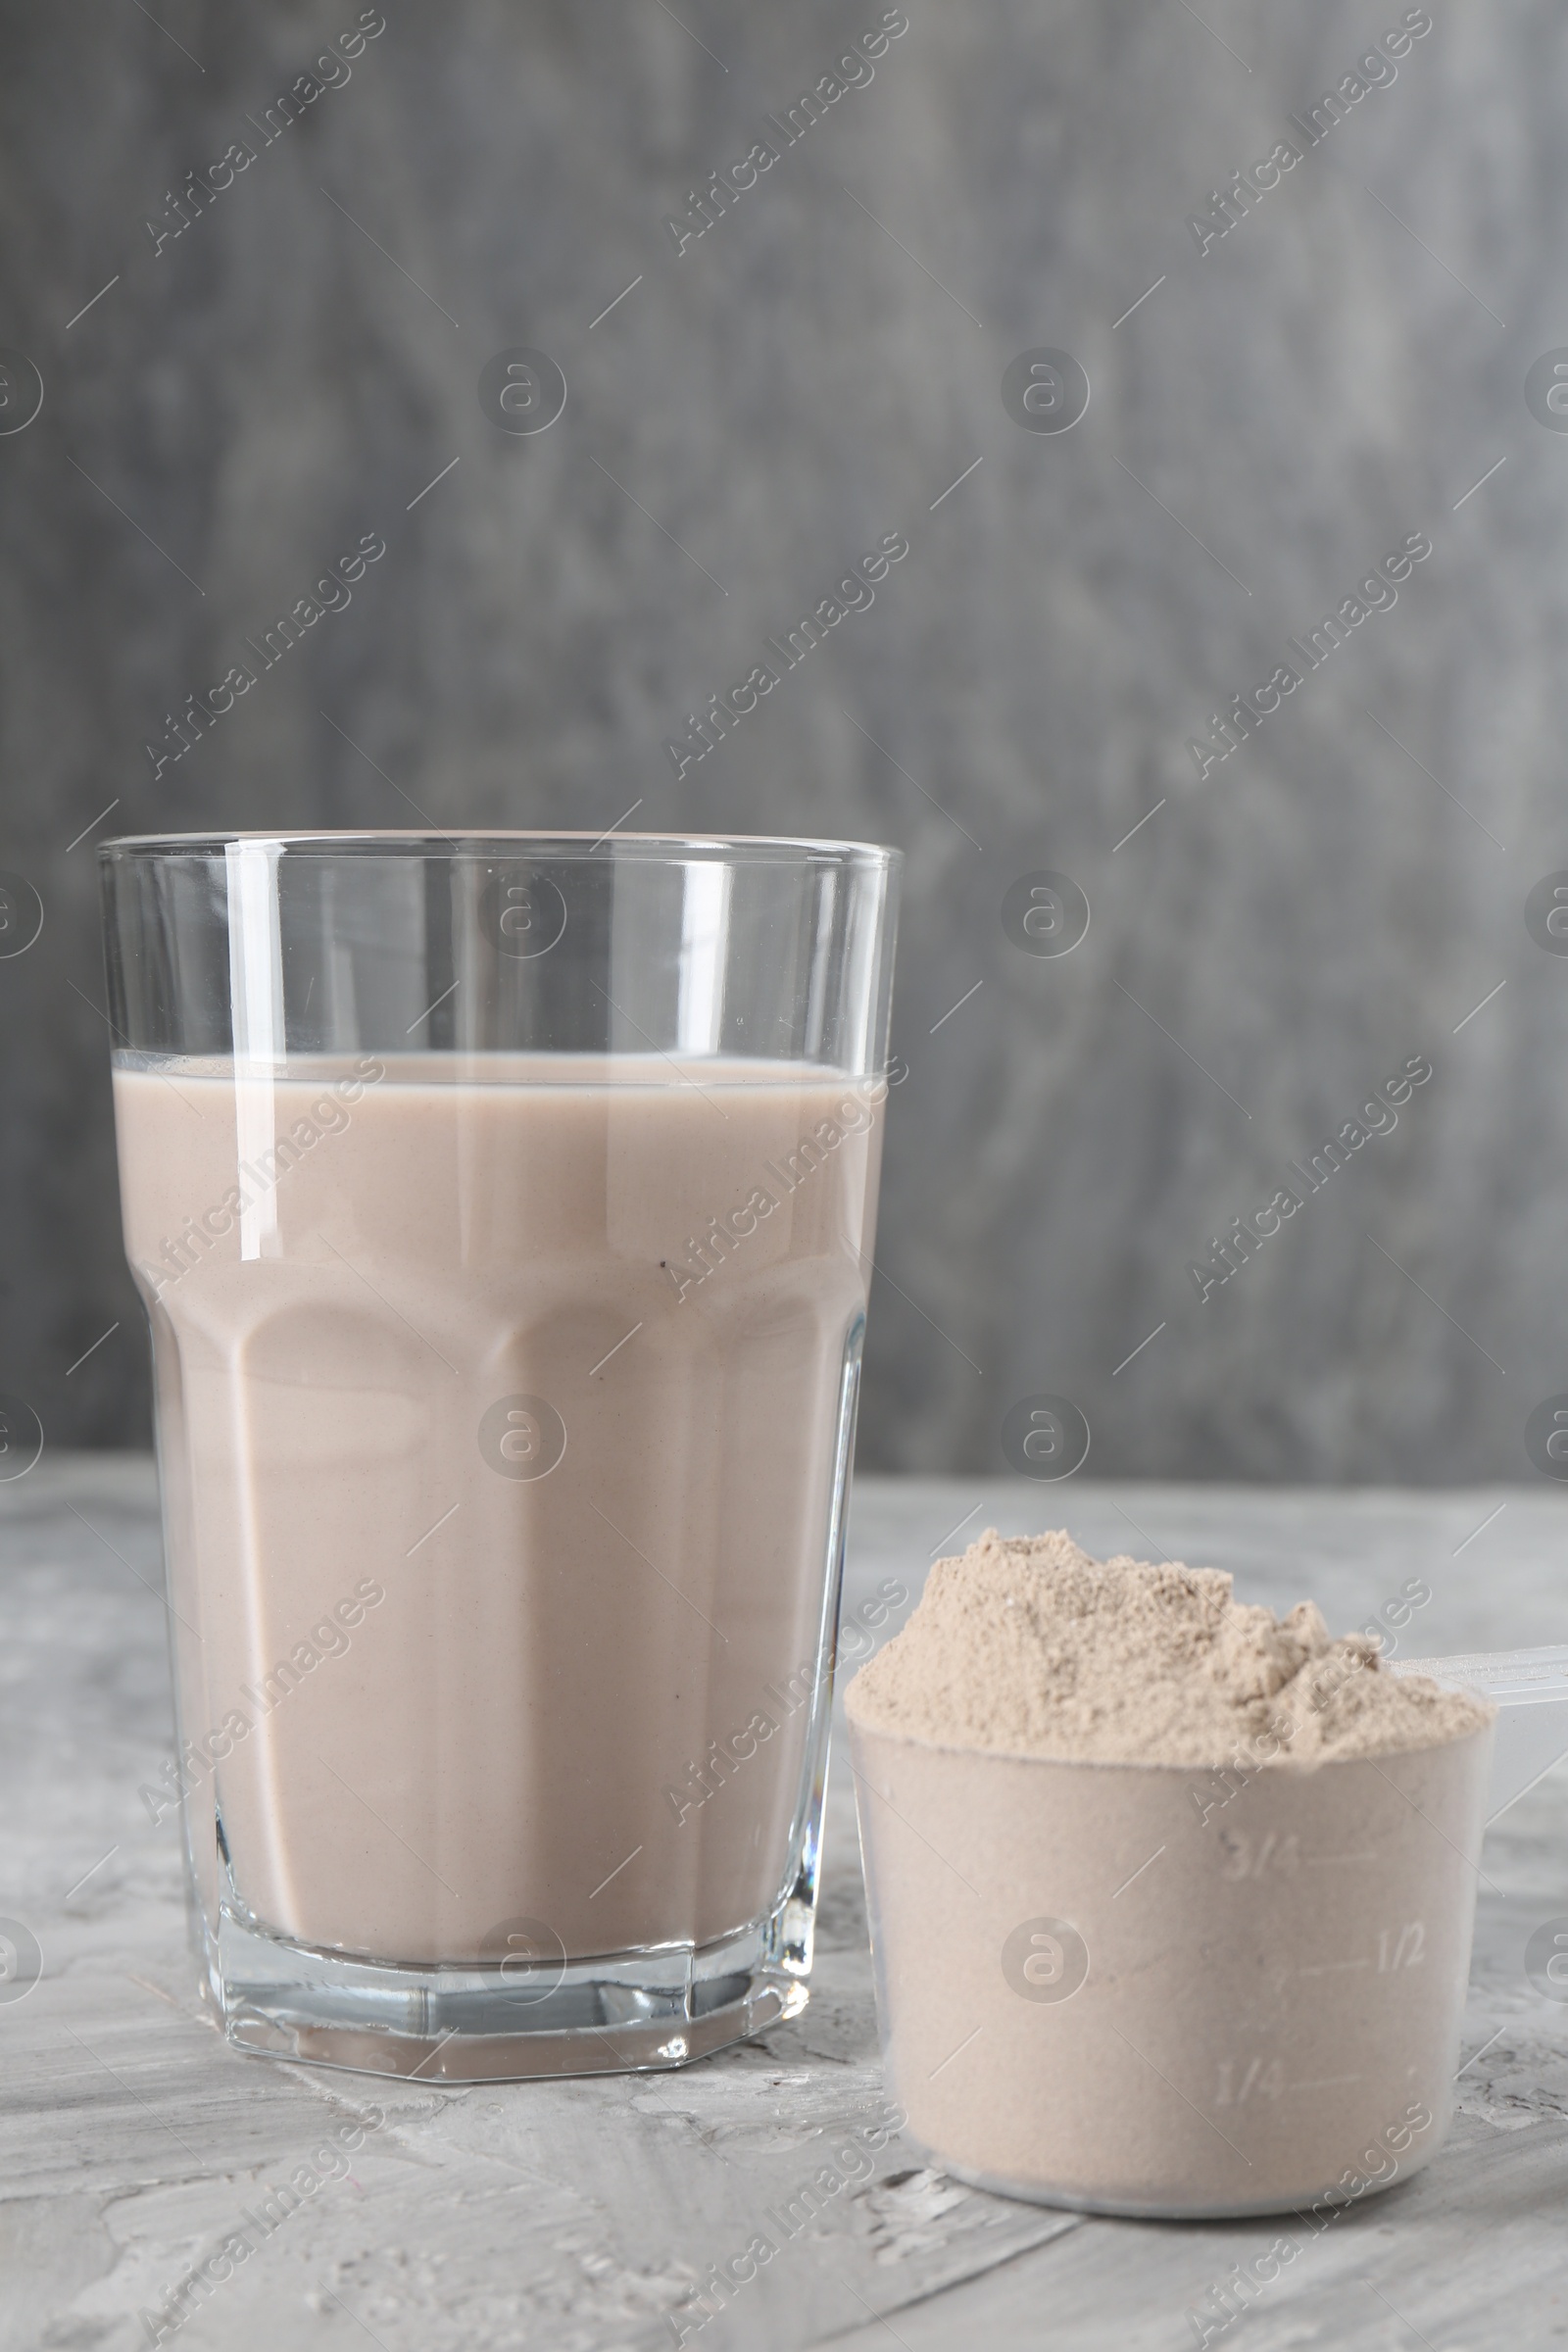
{"x": 503, "y": 1208}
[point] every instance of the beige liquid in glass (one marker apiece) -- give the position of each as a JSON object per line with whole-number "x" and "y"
{"x": 450, "y": 1676}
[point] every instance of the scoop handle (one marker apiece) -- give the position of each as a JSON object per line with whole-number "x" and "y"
{"x": 1530, "y": 1690}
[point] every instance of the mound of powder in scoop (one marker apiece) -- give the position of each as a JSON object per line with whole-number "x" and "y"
{"x": 1028, "y": 1646}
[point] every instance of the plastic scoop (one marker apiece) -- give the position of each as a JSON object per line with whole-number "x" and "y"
{"x": 1530, "y": 1687}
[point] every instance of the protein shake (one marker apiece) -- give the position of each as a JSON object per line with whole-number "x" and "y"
{"x": 498, "y": 1399}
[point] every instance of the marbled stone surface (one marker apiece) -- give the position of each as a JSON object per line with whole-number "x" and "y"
{"x": 300, "y": 366}
{"x": 579, "y": 2215}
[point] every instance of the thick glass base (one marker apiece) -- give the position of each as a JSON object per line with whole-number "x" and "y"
{"x": 628, "y": 2012}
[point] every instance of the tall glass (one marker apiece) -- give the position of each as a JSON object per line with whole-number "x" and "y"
{"x": 503, "y": 1208}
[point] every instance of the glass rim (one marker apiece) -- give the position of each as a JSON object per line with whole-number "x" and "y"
{"x": 762, "y": 847}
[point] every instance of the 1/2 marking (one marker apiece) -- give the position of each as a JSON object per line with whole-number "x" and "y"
{"x": 1407, "y": 1949}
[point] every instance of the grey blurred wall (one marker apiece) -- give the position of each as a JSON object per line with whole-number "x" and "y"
{"x": 1328, "y": 378}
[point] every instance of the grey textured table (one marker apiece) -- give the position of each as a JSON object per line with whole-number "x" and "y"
{"x": 577, "y": 2215}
